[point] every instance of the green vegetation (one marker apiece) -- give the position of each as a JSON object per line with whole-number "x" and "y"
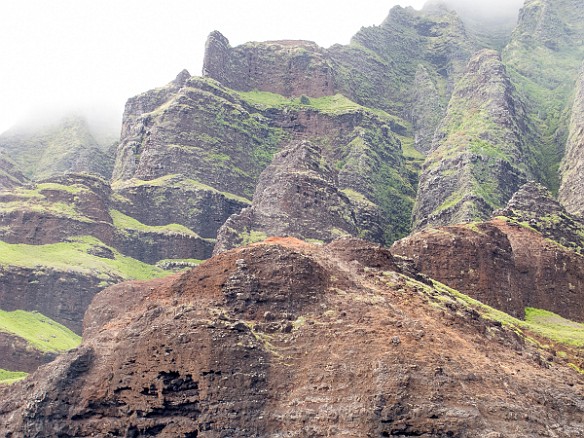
{"x": 9, "y": 377}
{"x": 176, "y": 181}
{"x": 540, "y": 323}
{"x": 555, "y": 327}
{"x": 334, "y": 105}
{"x": 39, "y": 331}
{"x": 124, "y": 223}
{"x": 34, "y": 199}
{"x": 77, "y": 256}
{"x": 252, "y": 236}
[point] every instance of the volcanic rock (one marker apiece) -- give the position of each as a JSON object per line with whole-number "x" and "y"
{"x": 286, "y": 336}
{"x": 296, "y": 196}
{"x": 475, "y": 167}
{"x": 571, "y": 194}
{"x": 289, "y": 68}
{"x": 529, "y": 256}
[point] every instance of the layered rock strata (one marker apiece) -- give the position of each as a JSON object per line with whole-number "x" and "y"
{"x": 284, "y": 336}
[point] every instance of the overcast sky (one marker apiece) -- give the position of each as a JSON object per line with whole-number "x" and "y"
{"x": 61, "y": 53}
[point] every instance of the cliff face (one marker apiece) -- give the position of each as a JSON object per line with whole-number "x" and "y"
{"x": 572, "y": 170}
{"x": 378, "y": 69}
{"x": 288, "y": 68}
{"x": 241, "y": 346}
{"x": 297, "y": 196}
{"x": 479, "y": 156}
{"x": 529, "y": 256}
{"x": 543, "y": 59}
{"x": 196, "y": 128}
{"x": 194, "y": 150}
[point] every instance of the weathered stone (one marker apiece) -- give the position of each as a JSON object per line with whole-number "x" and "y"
{"x": 289, "y": 68}
{"x": 529, "y": 256}
{"x": 298, "y": 196}
{"x": 362, "y": 351}
{"x": 479, "y": 155}
{"x": 571, "y": 193}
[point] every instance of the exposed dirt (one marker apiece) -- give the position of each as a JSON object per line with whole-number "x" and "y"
{"x": 288, "y": 339}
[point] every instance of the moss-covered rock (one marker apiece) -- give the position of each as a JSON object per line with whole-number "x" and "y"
{"x": 571, "y": 194}
{"x": 481, "y": 153}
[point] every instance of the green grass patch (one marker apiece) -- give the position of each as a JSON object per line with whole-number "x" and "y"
{"x": 252, "y": 236}
{"x": 124, "y": 222}
{"x": 77, "y": 256}
{"x": 175, "y": 181}
{"x": 9, "y": 377}
{"x": 555, "y": 327}
{"x": 41, "y": 332}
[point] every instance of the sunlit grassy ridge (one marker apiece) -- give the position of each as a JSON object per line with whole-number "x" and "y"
{"x": 555, "y": 327}
{"x": 75, "y": 256}
{"x": 122, "y": 221}
{"x": 8, "y": 377}
{"x": 539, "y": 323}
{"x": 39, "y": 331}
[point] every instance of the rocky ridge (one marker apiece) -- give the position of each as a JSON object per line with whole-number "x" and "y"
{"x": 241, "y": 346}
{"x": 478, "y": 158}
{"x": 572, "y": 165}
{"x": 528, "y": 256}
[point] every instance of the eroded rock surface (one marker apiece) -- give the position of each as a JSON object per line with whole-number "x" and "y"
{"x": 298, "y": 196}
{"x": 478, "y": 157}
{"x": 529, "y": 256}
{"x": 285, "y": 336}
{"x": 571, "y": 194}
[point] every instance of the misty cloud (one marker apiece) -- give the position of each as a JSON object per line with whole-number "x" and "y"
{"x": 80, "y": 53}
{"x": 491, "y": 10}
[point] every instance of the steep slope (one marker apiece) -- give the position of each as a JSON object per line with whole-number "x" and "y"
{"x": 543, "y": 59}
{"x": 196, "y": 153}
{"x": 571, "y": 194}
{"x": 314, "y": 341}
{"x": 10, "y": 175}
{"x": 42, "y": 149}
{"x": 28, "y": 340}
{"x": 297, "y": 196}
{"x": 480, "y": 154}
{"x": 530, "y": 256}
{"x": 378, "y": 69}
{"x": 191, "y": 151}
{"x": 380, "y": 66}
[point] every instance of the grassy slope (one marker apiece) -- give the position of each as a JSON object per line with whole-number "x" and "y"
{"x": 8, "y": 377}
{"x": 124, "y": 222}
{"x": 39, "y": 331}
{"x": 74, "y": 256}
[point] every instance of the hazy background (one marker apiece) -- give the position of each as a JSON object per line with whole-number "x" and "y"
{"x": 96, "y": 53}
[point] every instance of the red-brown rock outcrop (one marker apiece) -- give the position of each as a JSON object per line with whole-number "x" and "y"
{"x": 285, "y": 337}
{"x": 502, "y": 264}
